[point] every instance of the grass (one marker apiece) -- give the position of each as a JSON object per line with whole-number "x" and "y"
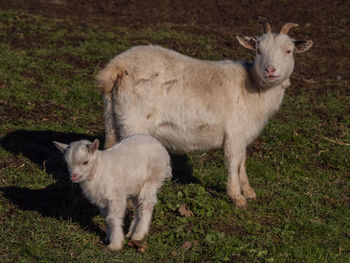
{"x": 299, "y": 166}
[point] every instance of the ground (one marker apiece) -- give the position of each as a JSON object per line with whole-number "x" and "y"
{"x": 299, "y": 166}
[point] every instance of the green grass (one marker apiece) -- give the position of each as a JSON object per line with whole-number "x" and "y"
{"x": 299, "y": 166}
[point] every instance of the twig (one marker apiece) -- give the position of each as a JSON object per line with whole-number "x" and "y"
{"x": 336, "y": 141}
{"x": 276, "y": 167}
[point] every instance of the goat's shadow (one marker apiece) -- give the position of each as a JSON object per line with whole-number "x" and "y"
{"x": 59, "y": 200}
{"x": 63, "y": 199}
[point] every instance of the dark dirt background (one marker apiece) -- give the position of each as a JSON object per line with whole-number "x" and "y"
{"x": 325, "y": 22}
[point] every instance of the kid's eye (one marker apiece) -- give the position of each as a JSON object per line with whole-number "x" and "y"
{"x": 85, "y": 163}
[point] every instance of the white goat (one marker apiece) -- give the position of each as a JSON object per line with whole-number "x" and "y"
{"x": 190, "y": 104}
{"x": 132, "y": 169}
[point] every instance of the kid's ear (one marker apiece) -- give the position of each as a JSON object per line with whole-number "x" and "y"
{"x": 247, "y": 42}
{"x": 60, "y": 146}
{"x": 94, "y": 146}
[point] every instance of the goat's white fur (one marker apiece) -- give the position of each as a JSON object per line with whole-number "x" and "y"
{"x": 133, "y": 169}
{"x": 190, "y": 104}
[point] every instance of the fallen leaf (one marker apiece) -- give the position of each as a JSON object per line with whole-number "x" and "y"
{"x": 186, "y": 245}
{"x": 184, "y": 211}
{"x": 310, "y": 81}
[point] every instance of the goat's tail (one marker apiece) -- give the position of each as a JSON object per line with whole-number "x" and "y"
{"x": 108, "y": 81}
{"x": 109, "y": 77}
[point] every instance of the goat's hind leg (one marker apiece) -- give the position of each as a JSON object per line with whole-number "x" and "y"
{"x": 146, "y": 201}
{"x": 110, "y": 118}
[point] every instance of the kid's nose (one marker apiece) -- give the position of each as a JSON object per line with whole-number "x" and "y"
{"x": 74, "y": 177}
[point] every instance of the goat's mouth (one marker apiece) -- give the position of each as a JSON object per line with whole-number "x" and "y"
{"x": 75, "y": 178}
{"x": 272, "y": 78}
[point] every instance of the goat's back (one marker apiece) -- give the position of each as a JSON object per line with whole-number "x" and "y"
{"x": 182, "y": 101}
{"x": 138, "y": 153}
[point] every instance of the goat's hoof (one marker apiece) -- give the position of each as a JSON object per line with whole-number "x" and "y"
{"x": 115, "y": 247}
{"x": 240, "y": 201}
{"x": 137, "y": 237}
{"x": 128, "y": 235}
{"x": 249, "y": 193}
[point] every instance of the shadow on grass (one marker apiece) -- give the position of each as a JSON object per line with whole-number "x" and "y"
{"x": 182, "y": 170}
{"x": 38, "y": 147}
{"x": 63, "y": 199}
{"x": 59, "y": 200}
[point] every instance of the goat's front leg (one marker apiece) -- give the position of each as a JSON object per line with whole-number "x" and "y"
{"x": 104, "y": 213}
{"x": 135, "y": 220}
{"x": 235, "y": 155}
{"x": 146, "y": 200}
{"x": 114, "y": 220}
{"x": 247, "y": 190}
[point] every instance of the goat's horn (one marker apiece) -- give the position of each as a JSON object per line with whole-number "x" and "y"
{"x": 267, "y": 27}
{"x": 285, "y": 29}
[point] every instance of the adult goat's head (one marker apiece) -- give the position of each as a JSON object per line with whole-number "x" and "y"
{"x": 274, "y": 60}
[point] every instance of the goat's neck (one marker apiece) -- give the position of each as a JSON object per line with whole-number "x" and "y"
{"x": 269, "y": 100}
{"x": 96, "y": 166}
{"x": 89, "y": 186}
{"x": 262, "y": 102}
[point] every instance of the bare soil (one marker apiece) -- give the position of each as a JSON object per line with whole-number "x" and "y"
{"x": 324, "y": 22}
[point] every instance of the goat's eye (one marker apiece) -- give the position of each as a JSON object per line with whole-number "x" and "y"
{"x": 85, "y": 163}
{"x": 289, "y": 51}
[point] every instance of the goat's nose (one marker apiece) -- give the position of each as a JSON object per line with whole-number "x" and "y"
{"x": 270, "y": 69}
{"x": 73, "y": 176}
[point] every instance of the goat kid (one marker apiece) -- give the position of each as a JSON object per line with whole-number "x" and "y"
{"x": 133, "y": 169}
{"x": 195, "y": 105}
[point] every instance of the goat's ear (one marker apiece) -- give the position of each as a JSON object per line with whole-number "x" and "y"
{"x": 302, "y": 45}
{"x": 94, "y": 146}
{"x": 247, "y": 42}
{"x": 61, "y": 146}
